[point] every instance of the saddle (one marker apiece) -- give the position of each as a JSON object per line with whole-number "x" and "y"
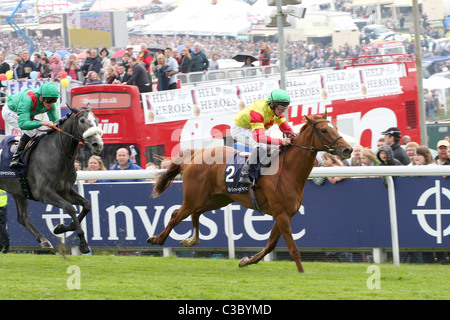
{"x": 8, "y": 147}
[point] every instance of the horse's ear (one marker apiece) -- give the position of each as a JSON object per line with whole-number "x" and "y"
{"x": 89, "y": 106}
{"x": 325, "y": 114}
{"x": 73, "y": 109}
{"x": 307, "y": 119}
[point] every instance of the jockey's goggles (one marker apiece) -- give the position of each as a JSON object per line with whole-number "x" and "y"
{"x": 281, "y": 105}
{"x": 50, "y": 99}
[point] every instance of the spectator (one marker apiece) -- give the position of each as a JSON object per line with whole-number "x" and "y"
{"x": 87, "y": 63}
{"x": 429, "y": 105}
{"x": 386, "y": 156}
{"x": 392, "y": 138}
{"x": 17, "y": 68}
{"x": 4, "y": 66}
{"x": 122, "y": 76}
{"x": 4, "y": 235}
{"x": 173, "y": 66}
{"x": 199, "y": 60}
{"x": 105, "y": 63}
{"x": 72, "y": 67}
{"x": 110, "y": 75}
{"x": 95, "y": 163}
{"x": 185, "y": 61}
{"x": 124, "y": 163}
{"x": 92, "y": 78}
{"x": 96, "y": 62}
{"x": 368, "y": 158}
{"x": 37, "y": 61}
{"x": 423, "y": 157}
{"x": 442, "y": 156}
{"x": 264, "y": 55}
{"x": 406, "y": 140}
{"x": 145, "y": 57}
{"x": 56, "y": 66}
{"x": 380, "y": 142}
{"x": 77, "y": 165}
{"x": 45, "y": 68}
{"x": 356, "y": 159}
{"x": 139, "y": 77}
{"x": 214, "y": 64}
{"x": 28, "y": 65}
{"x": 162, "y": 72}
{"x": 330, "y": 160}
{"x": 411, "y": 151}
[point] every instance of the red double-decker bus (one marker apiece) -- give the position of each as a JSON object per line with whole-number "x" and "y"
{"x": 363, "y": 97}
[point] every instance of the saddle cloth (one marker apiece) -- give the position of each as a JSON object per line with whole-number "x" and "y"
{"x": 233, "y": 171}
{"x": 7, "y": 150}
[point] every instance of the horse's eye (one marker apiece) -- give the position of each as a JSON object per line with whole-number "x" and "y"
{"x": 82, "y": 120}
{"x": 324, "y": 131}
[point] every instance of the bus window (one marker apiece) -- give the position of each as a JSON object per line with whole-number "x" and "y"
{"x": 154, "y": 154}
{"x": 108, "y": 154}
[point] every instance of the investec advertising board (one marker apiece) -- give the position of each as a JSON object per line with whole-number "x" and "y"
{"x": 353, "y": 213}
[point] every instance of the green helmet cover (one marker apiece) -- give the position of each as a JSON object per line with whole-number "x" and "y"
{"x": 49, "y": 90}
{"x": 279, "y": 96}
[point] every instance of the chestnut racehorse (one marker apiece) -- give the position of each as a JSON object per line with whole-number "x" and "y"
{"x": 281, "y": 197}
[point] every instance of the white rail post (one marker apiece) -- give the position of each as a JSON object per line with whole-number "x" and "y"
{"x": 393, "y": 219}
{"x": 230, "y": 232}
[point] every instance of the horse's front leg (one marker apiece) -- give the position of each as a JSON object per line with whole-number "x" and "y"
{"x": 76, "y": 199}
{"x": 284, "y": 223}
{"x": 271, "y": 244}
{"x": 50, "y": 197}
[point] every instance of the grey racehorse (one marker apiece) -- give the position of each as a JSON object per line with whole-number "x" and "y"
{"x": 51, "y": 173}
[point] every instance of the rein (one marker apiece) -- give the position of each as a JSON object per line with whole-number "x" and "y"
{"x": 325, "y": 147}
{"x": 312, "y": 149}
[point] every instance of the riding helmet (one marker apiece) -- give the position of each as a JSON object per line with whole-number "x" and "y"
{"x": 49, "y": 90}
{"x": 280, "y": 97}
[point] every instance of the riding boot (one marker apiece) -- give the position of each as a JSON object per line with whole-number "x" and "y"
{"x": 15, "y": 161}
{"x": 245, "y": 176}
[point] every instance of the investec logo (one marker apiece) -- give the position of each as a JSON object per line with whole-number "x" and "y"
{"x": 107, "y": 127}
{"x": 438, "y": 212}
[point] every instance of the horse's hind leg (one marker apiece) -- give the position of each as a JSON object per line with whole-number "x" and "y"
{"x": 273, "y": 240}
{"x": 24, "y": 219}
{"x": 195, "y": 239}
{"x": 177, "y": 216}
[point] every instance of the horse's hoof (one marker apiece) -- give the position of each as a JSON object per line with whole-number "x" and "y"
{"x": 152, "y": 240}
{"x": 243, "y": 262}
{"x": 189, "y": 242}
{"x": 45, "y": 244}
{"x": 84, "y": 249}
{"x": 60, "y": 228}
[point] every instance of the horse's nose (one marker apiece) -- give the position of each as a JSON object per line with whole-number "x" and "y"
{"x": 347, "y": 153}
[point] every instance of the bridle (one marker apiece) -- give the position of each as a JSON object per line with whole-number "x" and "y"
{"x": 69, "y": 134}
{"x": 312, "y": 149}
{"x": 326, "y": 148}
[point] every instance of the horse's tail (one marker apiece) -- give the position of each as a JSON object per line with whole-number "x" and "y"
{"x": 166, "y": 179}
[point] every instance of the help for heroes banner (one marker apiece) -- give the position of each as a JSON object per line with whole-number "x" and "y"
{"x": 209, "y": 100}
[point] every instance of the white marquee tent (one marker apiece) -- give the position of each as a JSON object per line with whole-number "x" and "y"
{"x": 200, "y": 17}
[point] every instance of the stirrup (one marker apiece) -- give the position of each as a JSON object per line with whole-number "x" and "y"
{"x": 16, "y": 164}
{"x": 246, "y": 181}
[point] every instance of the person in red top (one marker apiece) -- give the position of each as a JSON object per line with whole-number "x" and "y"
{"x": 264, "y": 56}
{"x": 145, "y": 56}
{"x": 250, "y": 125}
